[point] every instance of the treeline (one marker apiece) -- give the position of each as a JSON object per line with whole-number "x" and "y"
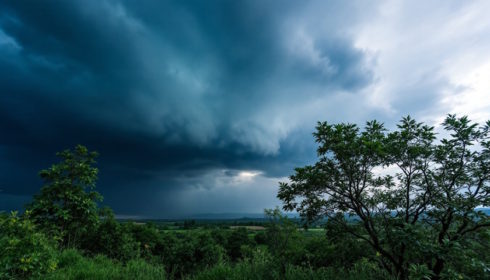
{"x": 117, "y": 250}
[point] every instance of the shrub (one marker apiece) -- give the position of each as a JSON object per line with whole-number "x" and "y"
{"x": 260, "y": 238}
{"x": 236, "y": 240}
{"x": 26, "y": 253}
{"x": 113, "y": 240}
{"x": 140, "y": 269}
{"x": 148, "y": 238}
{"x": 74, "y": 266}
{"x": 188, "y": 252}
{"x": 264, "y": 266}
{"x": 260, "y": 266}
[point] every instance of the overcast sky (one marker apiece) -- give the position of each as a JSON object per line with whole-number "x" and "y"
{"x": 204, "y": 106}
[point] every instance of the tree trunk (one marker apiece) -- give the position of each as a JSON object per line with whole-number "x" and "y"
{"x": 438, "y": 269}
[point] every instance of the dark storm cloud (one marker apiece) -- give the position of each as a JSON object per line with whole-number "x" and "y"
{"x": 164, "y": 90}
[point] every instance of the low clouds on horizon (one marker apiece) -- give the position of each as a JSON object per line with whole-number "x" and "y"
{"x": 200, "y": 106}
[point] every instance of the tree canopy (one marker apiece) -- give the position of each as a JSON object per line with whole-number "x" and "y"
{"x": 413, "y": 198}
{"x": 67, "y": 203}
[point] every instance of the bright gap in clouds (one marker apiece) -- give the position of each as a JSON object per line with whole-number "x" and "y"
{"x": 248, "y": 175}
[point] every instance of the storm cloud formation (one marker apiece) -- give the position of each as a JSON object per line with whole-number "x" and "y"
{"x": 199, "y": 106}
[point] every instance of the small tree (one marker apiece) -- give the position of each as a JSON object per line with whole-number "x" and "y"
{"x": 421, "y": 213}
{"x": 236, "y": 240}
{"x": 281, "y": 236}
{"x": 67, "y": 203}
{"x": 112, "y": 239}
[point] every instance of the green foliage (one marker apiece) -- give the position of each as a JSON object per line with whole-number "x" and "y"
{"x": 363, "y": 270}
{"x": 25, "y": 252}
{"x": 469, "y": 259}
{"x": 147, "y": 236}
{"x": 420, "y": 272}
{"x": 260, "y": 238}
{"x": 236, "y": 240}
{"x": 112, "y": 239}
{"x": 189, "y": 252}
{"x": 279, "y": 232}
{"x": 262, "y": 265}
{"x": 284, "y": 240}
{"x": 188, "y": 224}
{"x": 420, "y": 223}
{"x": 67, "y": 204}
{"x": 419, "y": 215}
{"x": 339, "y": 248}
{"x": 74, "y": 266}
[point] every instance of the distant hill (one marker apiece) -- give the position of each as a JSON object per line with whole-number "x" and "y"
{"x": 484, "y": 210}
{"x": 233, "y": 216}
{"x": 238, "y": 216}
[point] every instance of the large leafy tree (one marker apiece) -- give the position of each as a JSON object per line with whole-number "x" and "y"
{"x": 67, "y": 203}
{"x": 414, "y": 199}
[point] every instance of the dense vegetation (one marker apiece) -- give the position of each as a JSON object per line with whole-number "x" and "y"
{"x": 425, "y": 214}
{"x": 422, "y": 223}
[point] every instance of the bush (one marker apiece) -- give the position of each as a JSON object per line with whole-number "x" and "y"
{"x": 25, "y": 253}
{"x": 236, "y": 240}
{"x": 74, "y": 266}
{"x": 264, "y": 266}
{"x": 260, "y": 238}
{"x": 260, "y": 266}
{"x": 69, "y": 257}
{"x": 140, "y": 269}
{"x": 187, "y": 252}
{"x": 148, "y": 238}
{"x": 113, "y": 240}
